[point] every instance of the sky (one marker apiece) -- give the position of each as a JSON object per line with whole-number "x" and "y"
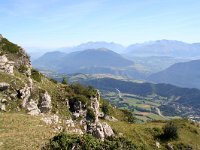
{"x": 60, "y": 23}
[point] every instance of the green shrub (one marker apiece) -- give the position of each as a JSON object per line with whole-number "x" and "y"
{"x": 53, "y": 80}
{"x": 36, "y": 75}
{"x": 64, "y": 81}
{"x": 170, "y": 131}
{"x": 8, "y": 46}
{"x": 84, "y": 100}
{"x": 90, "y": 114}
{"x": 106, "y": 107}
{"x": 128, "y": 116}
{"x": 81, "y": 90}
{"x": 64, "y": 141}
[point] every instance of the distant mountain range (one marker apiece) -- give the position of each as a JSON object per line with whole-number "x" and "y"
{"x": 90, "y": 61}
{"x": 137, "y": 62}
{"x": 186, "y": 74}
{"x": 154, "y": 48}
{"x": 164, "y": 48}
{"x": 94, "y": 45}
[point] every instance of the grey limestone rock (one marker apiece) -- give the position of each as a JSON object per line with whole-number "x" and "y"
{"x": 45, "y": 103}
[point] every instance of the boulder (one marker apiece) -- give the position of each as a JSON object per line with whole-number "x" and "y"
{"x": 99, "y": 133}
{"x": 45, "y": 103}
{"x": 4, "y": 86}
{"x": 100, "y": 130}
{"x": 108, "y": 132}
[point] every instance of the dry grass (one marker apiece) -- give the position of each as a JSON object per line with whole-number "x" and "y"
{"x": 23, "y": 132}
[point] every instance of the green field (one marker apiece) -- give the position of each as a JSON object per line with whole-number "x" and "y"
{"x": 143, "y": 108}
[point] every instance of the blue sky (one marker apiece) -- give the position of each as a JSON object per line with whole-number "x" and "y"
{"x": 58, "y": 23}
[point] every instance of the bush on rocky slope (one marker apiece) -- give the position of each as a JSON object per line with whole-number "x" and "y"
{"x": 64, "y": 141}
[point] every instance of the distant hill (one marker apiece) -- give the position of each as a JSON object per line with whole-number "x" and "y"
{"x": 164, "y": 48}
{"x": 91, "y": 61}
{"x": 186, "y": 74}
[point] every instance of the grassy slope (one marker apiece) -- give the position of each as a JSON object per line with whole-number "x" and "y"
{"x": 23, "y": 132}
{"x": 143, "y": 134}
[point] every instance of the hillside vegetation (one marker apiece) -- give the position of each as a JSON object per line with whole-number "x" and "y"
{"x": 38, "y": 113}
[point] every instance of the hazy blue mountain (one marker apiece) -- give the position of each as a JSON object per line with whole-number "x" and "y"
{"x": 164, "y": 48}
{"x": 94, "y": 45}
{"x": 36, "y": 52}
{"x": 91, "y": 61}
{"x": 186, "y": 74}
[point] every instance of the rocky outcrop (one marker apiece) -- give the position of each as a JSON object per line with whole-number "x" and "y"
{"x": 6, "y": 65}
{"x": 4, "y": 86}
{"x": 108, "y": 132}
{"x": 53, "y": 119}
{"x": 45, "y": 102}
{"x": 95, "y": 107}
{"x": 96, "y": 128}
{"x": 24, "y": 94}
{"x": 100, "y": 130}
{"x": 33, "y": 108}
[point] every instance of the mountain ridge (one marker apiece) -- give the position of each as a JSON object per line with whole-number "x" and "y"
{"x": 185, "y": 74}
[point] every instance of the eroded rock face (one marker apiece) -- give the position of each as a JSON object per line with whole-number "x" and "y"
{"x": 96, "y": 128}
{"x": 108, "y": 132}
{"x": 45, "y": 103}
{"x": 99, "y": 133}
{"x": 6, "y": 65}
{"x": 33, "y": 108}
{"x": 100, "y": 130}
{"x": 4, "y": 86}
{"x": 95, "y": 107}
{"x": 24, "y": 94}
